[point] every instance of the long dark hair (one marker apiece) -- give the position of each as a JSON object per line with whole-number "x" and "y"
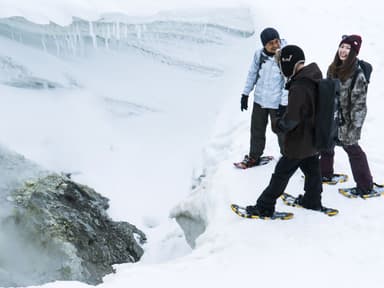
{"x": 343, "y": 70}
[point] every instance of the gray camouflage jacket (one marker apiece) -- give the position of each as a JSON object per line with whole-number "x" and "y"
{"x": 354, "y": 109}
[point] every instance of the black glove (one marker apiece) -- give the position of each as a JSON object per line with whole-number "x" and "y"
{"x": 244, "y": 102}
{"x": 280, "y": 111}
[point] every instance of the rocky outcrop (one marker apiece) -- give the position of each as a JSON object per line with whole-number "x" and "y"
{"x": 56, "y": 229}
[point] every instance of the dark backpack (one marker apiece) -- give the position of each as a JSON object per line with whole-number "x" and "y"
{"x": 328, "y": 111}
{"x": 365, "y": 67}
{"x": 328, "y": 114}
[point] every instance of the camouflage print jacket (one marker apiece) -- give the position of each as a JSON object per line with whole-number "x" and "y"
{"x": 354, "y": 109}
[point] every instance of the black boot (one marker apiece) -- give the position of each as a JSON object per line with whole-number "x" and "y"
{"x": 263, "y": 212}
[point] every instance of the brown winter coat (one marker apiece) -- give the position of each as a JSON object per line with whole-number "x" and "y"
{"x": 299, "y": 119}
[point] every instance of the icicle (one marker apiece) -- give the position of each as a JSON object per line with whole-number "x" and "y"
{"x": 79, "y": 39}
{"x": 71, "y": 43}
{"x": 117, "y": 30}
{"x": 107, "y": 36}
{"x": 91, "y": 33}
{"x": 72, "y": 39}
{"x": 125, "y": 31}
{"x": 138, "y": 31}
{"x": 57, "y": 45}
{"x": 43, "y": 43}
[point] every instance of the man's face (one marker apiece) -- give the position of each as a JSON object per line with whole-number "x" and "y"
{"x": 272, "y": 46}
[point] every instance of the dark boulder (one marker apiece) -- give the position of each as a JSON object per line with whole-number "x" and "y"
{"x": 53, "y": 228}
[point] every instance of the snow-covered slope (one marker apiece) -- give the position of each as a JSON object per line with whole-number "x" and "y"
{"x": 127, "y": 121}
{"x": 151, "y": 133}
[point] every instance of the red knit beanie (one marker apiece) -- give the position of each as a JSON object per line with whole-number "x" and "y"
{"x": 353, "y": 40}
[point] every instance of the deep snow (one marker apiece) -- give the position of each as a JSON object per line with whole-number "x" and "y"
{"x": 141, "y": 131}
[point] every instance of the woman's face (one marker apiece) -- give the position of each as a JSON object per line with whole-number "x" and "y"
{"x": 343, "y": 51}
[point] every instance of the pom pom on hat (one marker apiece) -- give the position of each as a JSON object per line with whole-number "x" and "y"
{"x": 353, "y": 40}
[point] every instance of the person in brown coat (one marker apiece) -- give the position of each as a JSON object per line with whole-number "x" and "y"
{"x": 298, "y": 126}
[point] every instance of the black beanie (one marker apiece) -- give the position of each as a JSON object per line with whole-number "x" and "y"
{"x": 290, "y": 56}
{"x": 268, "y": 34}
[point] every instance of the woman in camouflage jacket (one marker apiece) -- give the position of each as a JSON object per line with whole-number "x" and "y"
{"x": 353, "y": 111}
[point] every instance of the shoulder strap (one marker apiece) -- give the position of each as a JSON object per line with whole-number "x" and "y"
{"x": 361, "y": 67}
{"x": 262, "y": 60}
{"x": 353, "y": 82}
{"x": 354, "y": 78}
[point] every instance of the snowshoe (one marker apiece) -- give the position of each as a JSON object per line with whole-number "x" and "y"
{"x": 242, "y": 212}
{"x": 355, "y": 192}
{"x": 335, "y": 179}
{"x": 249, "y": 162}
{"x": 295, "y": 202}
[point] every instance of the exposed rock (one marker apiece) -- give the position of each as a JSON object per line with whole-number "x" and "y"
{"x": 56, "y": 229}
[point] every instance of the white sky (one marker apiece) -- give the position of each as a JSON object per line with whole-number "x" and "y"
{"x": 153, "y": 158}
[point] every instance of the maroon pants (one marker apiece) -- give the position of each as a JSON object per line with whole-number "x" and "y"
{"x": 359, "y": 165}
